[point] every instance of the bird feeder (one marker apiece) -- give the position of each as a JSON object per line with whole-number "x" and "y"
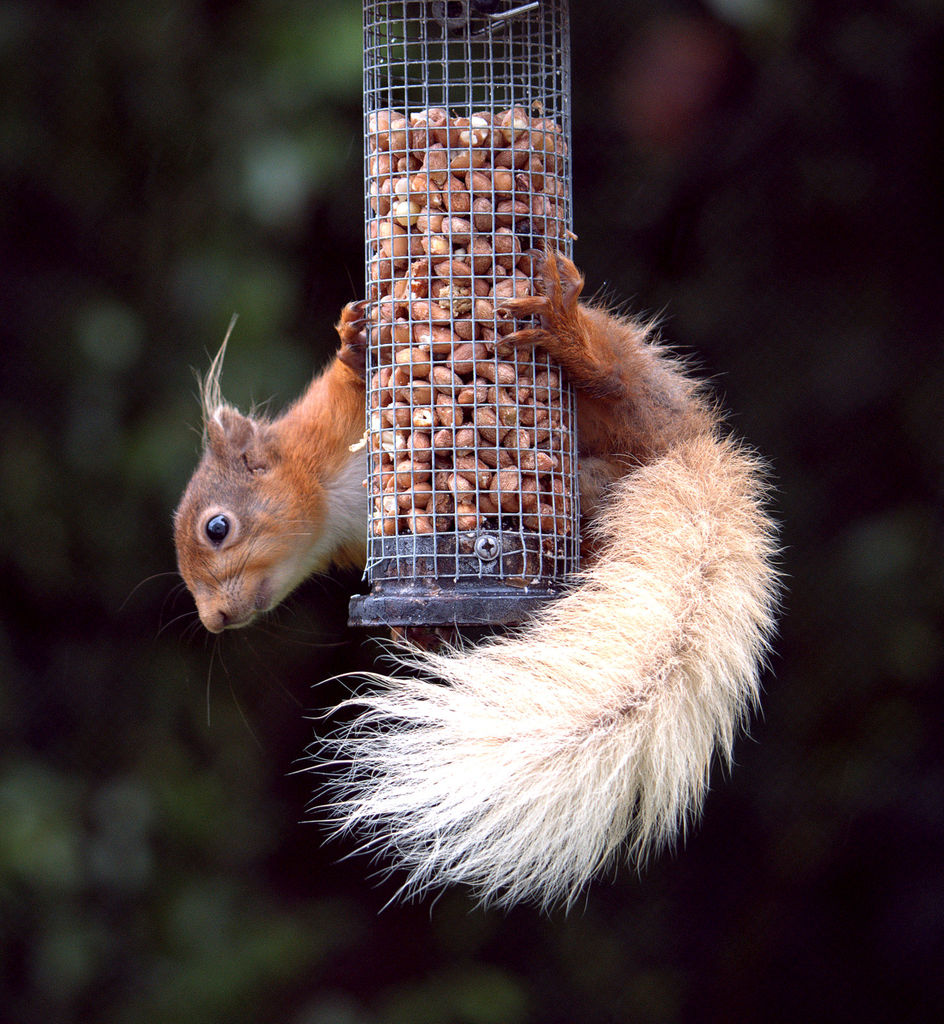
{"x": 473, "y": 505}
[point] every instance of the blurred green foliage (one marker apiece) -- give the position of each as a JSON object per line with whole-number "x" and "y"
{"x": 766, "y": 175}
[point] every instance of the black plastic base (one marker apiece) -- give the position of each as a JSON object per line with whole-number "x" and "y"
{"x": 443, "y": 603}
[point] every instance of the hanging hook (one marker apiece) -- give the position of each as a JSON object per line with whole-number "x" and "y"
{"x": 514, "y": 12}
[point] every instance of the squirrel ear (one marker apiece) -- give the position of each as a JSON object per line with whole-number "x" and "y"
{"x": 228, "y": 432}
{"x": 232, "y": 435}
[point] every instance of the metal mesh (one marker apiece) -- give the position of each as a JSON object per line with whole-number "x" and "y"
{"x": 472, "y": 475}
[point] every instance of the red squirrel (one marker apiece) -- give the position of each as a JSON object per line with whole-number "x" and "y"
{"x": 590, "y": 729}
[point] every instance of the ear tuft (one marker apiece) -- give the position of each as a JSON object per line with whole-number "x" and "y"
{"x": 211, "y": 397}
{"x": 227, "y": 433}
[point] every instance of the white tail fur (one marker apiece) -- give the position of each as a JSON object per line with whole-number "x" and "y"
{"x": 592, "y": 729}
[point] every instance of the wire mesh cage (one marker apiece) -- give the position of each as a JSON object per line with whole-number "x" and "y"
{"x": 471, "y": 454}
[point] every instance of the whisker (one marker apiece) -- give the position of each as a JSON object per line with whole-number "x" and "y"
{"x": 214, "y": 651}
{"x": 175, "y": 619}
{"x": 242, "y": 714}
{"x": 141, "y": 583}
{"x": 269, "y": 676}
{"x": 194, "y": 628}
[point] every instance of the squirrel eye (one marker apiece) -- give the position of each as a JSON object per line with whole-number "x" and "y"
{"x": 217, "y": 528}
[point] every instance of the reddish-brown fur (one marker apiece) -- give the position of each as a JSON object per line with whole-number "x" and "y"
{"x": 284, "y": 486}
{"x": 632, "y": 401}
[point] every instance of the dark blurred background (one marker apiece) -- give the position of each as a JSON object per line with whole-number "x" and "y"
{"x": 766, "y": 175}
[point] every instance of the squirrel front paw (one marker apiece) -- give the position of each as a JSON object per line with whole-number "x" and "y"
{"x": 352, "y": 330}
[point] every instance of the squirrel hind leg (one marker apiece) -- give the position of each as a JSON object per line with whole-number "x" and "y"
{"x": 352, "y": 330}
{"x": 583, "y": 342}
{"x": 561, "y": 284}
{"x": 557, "y": 309}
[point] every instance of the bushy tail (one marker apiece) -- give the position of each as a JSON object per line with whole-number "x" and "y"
{"x": 593, "y": 728}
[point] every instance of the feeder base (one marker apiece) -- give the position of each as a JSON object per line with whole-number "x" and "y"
{"x": 444, "y": 603}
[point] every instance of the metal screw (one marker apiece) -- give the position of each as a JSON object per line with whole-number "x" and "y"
{"x": 487, "y": 547}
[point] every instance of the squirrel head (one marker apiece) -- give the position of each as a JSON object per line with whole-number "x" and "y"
{"x": 250, "y": 525}
{"x": 234, "y": 550}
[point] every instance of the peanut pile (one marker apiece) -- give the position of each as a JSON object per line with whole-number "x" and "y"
{"x": 470, "y": 430}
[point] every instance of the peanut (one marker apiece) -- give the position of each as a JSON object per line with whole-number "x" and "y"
{"x": 463, "y": 428}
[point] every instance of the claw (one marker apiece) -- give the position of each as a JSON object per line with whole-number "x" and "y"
{"x": 561, "y": 283}
{"x": 531, "y": 337}
{"x": 353, "y": 318}
{"x": 527, "y": 305}
{"x": 352, "y": 329}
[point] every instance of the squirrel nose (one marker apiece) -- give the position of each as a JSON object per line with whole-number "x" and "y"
{"x": 216, "y": 614}
{"x": 215, "y": 620}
